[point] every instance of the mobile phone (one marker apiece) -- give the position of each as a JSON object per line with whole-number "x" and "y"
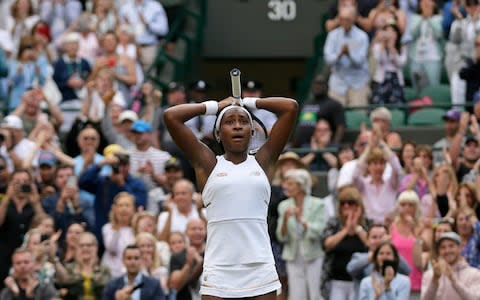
{"x": 387, "y": 3}
{"x": 389, "y": 263}
{"x": 72, "y": 180}
{"x": 25, "y": 188}
{"x": 138, "y": 286}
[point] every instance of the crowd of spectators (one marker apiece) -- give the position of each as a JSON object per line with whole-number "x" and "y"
{"x": 97, "y": 201}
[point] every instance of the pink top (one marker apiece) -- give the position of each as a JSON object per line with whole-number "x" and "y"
{"x": 405, "y": 246}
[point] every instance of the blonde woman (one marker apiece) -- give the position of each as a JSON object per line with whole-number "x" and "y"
{"x": 301, "y": 220}
{"x": 408, "y": 235}
{"x": 145, "y": 222}
{"x": 84, "y": 278}
{"x": 440, "y": 201}
{"x": 150, "y": 261}
{"x": 118, "y": 233}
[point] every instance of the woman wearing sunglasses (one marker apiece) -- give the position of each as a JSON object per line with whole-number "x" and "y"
{"x": 343, "y": 235}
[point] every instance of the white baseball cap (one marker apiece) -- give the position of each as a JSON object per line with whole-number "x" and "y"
{"x": 12, "y": 121}
{"x": 128, "y": 115}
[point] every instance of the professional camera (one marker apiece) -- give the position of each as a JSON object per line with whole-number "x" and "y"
{"x": 123, "y": 159}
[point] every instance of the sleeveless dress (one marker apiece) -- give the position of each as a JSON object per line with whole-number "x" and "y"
{"x": 405, "y": 246}
{"x": 238, "y": 257}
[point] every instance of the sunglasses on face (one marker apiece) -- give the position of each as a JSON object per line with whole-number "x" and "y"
{"x": 348, "y": 202}
{"x": 89, "y": 138}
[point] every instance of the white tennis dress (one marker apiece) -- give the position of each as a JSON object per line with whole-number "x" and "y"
{"x": 238, "y": 257}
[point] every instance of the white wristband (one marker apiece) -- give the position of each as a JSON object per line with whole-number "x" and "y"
{"x": 250, "y": 102}
{"x": 211, "y": 107}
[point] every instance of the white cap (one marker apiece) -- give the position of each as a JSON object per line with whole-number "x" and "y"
{"x": 12, "y": 121}
{"x": 128, "y": 115}
{"x": 71, "y": 37}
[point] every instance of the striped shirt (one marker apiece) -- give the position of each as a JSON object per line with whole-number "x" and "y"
{"x": 139, "y": 159}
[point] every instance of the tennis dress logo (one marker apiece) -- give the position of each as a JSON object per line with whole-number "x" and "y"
{"x": 222, "y": 174}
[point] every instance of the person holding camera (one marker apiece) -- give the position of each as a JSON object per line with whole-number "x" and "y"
{"x": 105, "y": 188}
{"x": 385, "y": 282}
{"x": 17, "y": 210}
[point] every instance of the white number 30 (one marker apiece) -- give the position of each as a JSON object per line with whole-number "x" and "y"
{"x": 282, "y": 10}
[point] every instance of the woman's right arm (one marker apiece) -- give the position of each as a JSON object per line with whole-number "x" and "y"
{"x": 197, "y": 153}
{"x": 333, "y": 240}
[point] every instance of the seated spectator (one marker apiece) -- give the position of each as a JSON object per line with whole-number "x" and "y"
{"x": 409, "y": 234}
{"x": 145, "y": 222}
{"x": 384, "y": 13}
{"x": 182, "y": 209}
{"x": 440, "y": 227}
{"x": 426, "y": 49}
{"x": 362, "y": 264}
{"x": 451, "y": 125}
{"x": 134, "y": 283}
{"x": 84, "y": 278}
{"x": 378, "y": 194}
{"x": 301, "y": 220}
{"x": 386, "y": 281}
{"x": 320, "y": 140}
{"x": 20, "y": 21}
{"x": 419, "y": 177}
{"x": 388, "y": 57}
{"x": 343, "y": 235}
{"x": 345, "y": 51}
{"x": 20, "y": 146}
{"x": 321, "y": 107}
{"x": 451, "y": 278}
{"x": 148, "y": 163}
{"x": 147, "y": 243}
{"x": 118, "y": 233}
{"x": 187, "y": 266}
{"x": 17, "y": 210}
{"x": 22, "y": 284}
{"x": 59, "y": 15}
{"x": 345, "y": 154}
{"x": 25, "y": 72}
{"x": 121, "y": 66}
{"x": 468, "y": 228}
{"x": 150, "y": 22}
{"x": 177, "y": 242}
{"x": 31, "y": 114}
{"x": 466, "y": 196}
{"x": 106, "y": 188}
{"x": 381, "y": 117}
{"x": 43, "y": 248}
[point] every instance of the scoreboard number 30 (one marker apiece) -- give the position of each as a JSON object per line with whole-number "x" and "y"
{"x": 282, "y": 10}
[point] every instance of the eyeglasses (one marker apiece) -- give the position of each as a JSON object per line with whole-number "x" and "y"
{"x": 89, "y": 138}
{"x": 348, "y": 202}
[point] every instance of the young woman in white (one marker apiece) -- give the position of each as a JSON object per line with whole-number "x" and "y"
{"x": 238, "y": 259}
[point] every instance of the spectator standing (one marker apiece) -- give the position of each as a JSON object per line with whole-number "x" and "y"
{"x": 59, "y": 15}
{"x": 471, "y": 73}
{"x": 381, "y": 117}
{"x": 301, "y": 220}
{"x": 20, "y": 21}
{"x": 451, "y": 125}
{"x": 345, "y": 51}
{"x": 451, "y": 278}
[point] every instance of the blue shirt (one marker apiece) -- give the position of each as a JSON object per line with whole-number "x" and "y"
{"x": 348, "y": 71}
{"x": 136, "y": 294}
{"x": 399, "y": 288}
{"x": 471, "y": 251}
{"x": 156, "y": 22}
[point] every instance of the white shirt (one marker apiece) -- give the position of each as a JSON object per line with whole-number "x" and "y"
{"x": 115, "y": 242}
{"x": 24, "y": 148}
{"x": 179, "y": 220}
{"x": 138, "y": 159}
{"x": 345, "y": 177}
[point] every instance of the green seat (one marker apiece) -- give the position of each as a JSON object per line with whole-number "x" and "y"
{"x": 355, "y": 118}
{"x": 398, "y": 118}
{"x": 410, "y": 93}
{"x": 426, "y": 117}
{"x": 440, "y": 94}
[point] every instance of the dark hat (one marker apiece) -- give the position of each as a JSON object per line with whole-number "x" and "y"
{"x": 175, "y": 87}
{"x": 453, "y": 236}
{"x": 200, "y": 85}
{"x": 252, "y": 85}
{"x": 452, "y": 115}
{"x": 471, "y": 138}
{"x": 173, "y": 163}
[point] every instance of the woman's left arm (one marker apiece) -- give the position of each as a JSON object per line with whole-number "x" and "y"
{"x": 286, "y": 111}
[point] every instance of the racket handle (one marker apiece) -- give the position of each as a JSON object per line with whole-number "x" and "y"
{"x": 236, "y": 85}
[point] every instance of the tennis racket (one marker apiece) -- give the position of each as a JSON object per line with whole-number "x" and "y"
{"x": 260, "y": 132}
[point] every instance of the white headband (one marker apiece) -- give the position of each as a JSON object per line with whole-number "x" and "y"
{"x": 220, "y": 116}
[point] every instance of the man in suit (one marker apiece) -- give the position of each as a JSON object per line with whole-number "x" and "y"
{"x": 134, "y": 285}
